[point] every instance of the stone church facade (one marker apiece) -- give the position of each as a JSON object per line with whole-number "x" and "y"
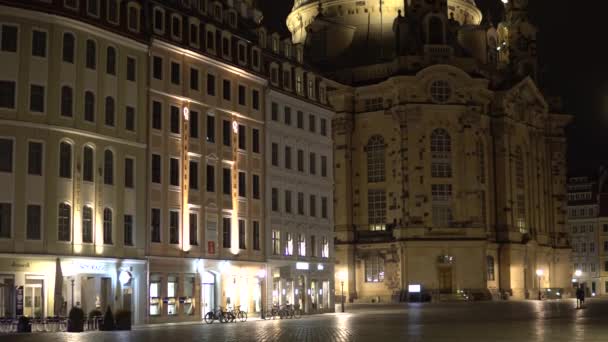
{"x": 449, "y": 161}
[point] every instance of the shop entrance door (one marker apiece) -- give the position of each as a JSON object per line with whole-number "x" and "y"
{"x": 208, "y": 294}
{"x": 7, "y": 296}
{"x": 445, "y": 279}
{"x": 32, "y": 303}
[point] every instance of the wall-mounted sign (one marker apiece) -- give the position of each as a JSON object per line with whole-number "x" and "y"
{"x": 414, "y": 288}
{"x": 302, "y": 266}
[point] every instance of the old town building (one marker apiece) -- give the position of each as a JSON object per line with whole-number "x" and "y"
{"x": 449, "y": 162}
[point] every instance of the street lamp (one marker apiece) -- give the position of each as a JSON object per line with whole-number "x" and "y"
{"x": 342, "y": 276}
{"x": 539, "y": 273}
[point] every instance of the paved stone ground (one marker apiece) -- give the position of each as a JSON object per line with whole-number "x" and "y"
{"x": 453, "y": 322}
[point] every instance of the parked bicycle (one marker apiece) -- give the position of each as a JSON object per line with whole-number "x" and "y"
{"x": 294, "y": 311}
{"x": 216, "y": 315}
{"x": 239, "y": 314}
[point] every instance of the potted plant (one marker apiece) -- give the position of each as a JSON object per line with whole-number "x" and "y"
{"x": 108, "y": 320}
{"x": 76, "y": 320}
{"x": 123, "y": 320}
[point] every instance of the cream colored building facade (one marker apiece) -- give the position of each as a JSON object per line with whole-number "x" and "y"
{"x": 73, "y": 136}
{"x": 449, "y": 162}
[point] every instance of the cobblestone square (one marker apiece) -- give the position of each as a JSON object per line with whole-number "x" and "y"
{"x": 483, "y": 321}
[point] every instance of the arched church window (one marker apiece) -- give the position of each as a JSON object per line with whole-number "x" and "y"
{"x": 441, "y": 154}
{"x": 436, "y": 31}
{"x": 519, "y": 168}
{"x": 490, "y": 267}
{"x": 375, "y": 159}
{"x": 520, "y": 196}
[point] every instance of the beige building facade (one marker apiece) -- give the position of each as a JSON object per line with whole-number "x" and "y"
{"x": 449, "y": 162}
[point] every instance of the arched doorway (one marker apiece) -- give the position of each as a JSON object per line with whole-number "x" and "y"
{"x": 208, "y": 285}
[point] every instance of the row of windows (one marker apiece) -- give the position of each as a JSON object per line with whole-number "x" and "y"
{"x": 64, "y": 224}
{"x": 299, "y": 119}
{"x": 288, "y": 200}
{"x": 112, "y": 11}
{"x": 581, "y": 247}
{"x": 175, "y": 125}
{"x": 174, "y": 226}
{"x": 35, "y": 162}
{"x": 287, "y": 248}
{"x": 579, "y": 196}
{"x": 592, "y": 267}
{"x": 211, "y": 83}
{"x": 194, "y": 173}
{"x": 287, "y": 159}
{"x": 586, "y": 228}
{"x": 581, "y": 212}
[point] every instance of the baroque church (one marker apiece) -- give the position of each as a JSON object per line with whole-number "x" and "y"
{"x": 449, "y": 161}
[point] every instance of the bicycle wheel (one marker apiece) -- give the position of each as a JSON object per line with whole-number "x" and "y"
{"x": 297, "y": 313}
{"x": 242, "y": 316}
{"x": 209, "y": 318}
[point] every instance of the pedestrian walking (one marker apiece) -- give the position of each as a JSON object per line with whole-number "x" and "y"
{"x": 580, "y": 293}
{"x": 582, "y": 296}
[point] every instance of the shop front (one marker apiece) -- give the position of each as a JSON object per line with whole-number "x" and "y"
{"x": 39, "y": 286}
{"x": 309, "y": 285}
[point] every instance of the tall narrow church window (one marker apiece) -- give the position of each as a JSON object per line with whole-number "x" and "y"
{"x": 376, "y": 209}
{"x": 375, "y": 159}
{"x": 441, "y": 154}
{"x": 442, "y": 205}
{"x": 520, "y": 184}
{"x": 482, "y": 162}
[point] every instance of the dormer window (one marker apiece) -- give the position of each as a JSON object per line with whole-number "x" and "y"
{"x": 217, "y": 12}
{"x": 299, "y": 55}
{"x": 287, "y": 49}
{"x": 311, "y": 87}
{"x": 255, "y": 58}
{"x": 274, "y": 74}
{"x": 242, "y": 52}
{"x": 322, "y": 94}
{"x": 133, "y": 18}
{"x": 210, "y": 39}
{"x": 194, "y": 31}
{"x": 93, "y": 8}
{"x": 73, "y": 4}
{"x": 275, "y": 44}
{"x": 299, "y": 83}
{"x": 232, "y": 19}
{"x": 287, "y": 78}
{"x": 113, "y": 11}
{"x": 262, "y": 39}
{"x": 226, "y": 53}
{"x": 159, "y": 20}
{"x": 176, "y": 27}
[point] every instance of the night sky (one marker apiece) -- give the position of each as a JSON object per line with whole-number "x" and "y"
{"x": 571, "y": 66}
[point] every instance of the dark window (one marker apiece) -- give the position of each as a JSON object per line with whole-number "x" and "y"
{"x": 226, "y": 232}
{"x": 68, "y": 47}
{"x": 226, "y": 89}
{"x": 256, "y": 187}
{"x": 256, "y": 140}
{"x": 242, "y": 95}
{"x": 287, "y": 115}
{"x": 323, "y": 166}
{"x": 156, "y": 168}
{"x": 193, "y": 124}
{"x": 324, "y": 207}
{"x": 274, "y": 115}
{"x": 130, "y": 119}
{"x": 108, "y": 168}
{"x": 89, "y": 106}
{"x": 155, "y": 225}
{"x": 255, "y": 99}
{"x": 287, "y": 78}
{"x": 193, "y": 34}
{"x": 193, "y": 79}
{"x": 107, "y": 226}
{"x": 311, "y": 123}
{"x": 174, "y": 227}
{"x": 313, "y": 205}
{"x": 275, "y": 154}
{"x": 256, "y": 235}
{"x": 6, "y": 155}
{"x": 64, "y": 222}
{"x": 210, "y": 128}
{"x": 157, "y": 115}
{"x": 87, "y": 224}
{"x": 287, "y": 157}
{"x": 91, "y": 57}
{"x": 324, "y": 127}
{"x": 93, "y": 7}
{"x": 275, "y": 199}
{"x": 242, "y": 53}
{"x": 226, "y": 181}
{"x": 34, "y": 158}
{"x": 65, "y": 160}
{"x": 110, "y": 111}
{"x": 210, "y": 40}
{"x": 67, "y": 101}
{"x": 176, "y": 27}
{"x": 312, "y": 163}
{"x": 193, "y": 229}
{"x": 159, "y": 17}
{"x": 300, "y": 203}
{"x": 128, "y": 230}
{"x": 133, "y": 18}
{"x": 87, "y": 164}
{"x": 210, "y": 178}
{"x": 112, "y": 11}
{"x": 255, "y": 58}
{"x": 174, "y": 171}
{"x": 157, "y": 67}
{"x": 9, "y": 38}
{"x": 7, "y": 94}
{"x": 300, "y": 119}
{"x": 226, "y": 46}
{"x": 242, "y": 184}
{"x": 242, "y": 235}
{"x": 129, "y": 173}
{"x": 193, "y": 179}
{"x": 36, "y": 98}
{"x": 210, "y": 85}
{"x": 175, "y": 73}
{"x": 242, "y": 137}
{"x": 111, "y": 61}
{"x": 131, "y": 69}
{"x": 34, "y": 220}
{"x": 39, "y": 43}
{"x": 300, "y": 160}
{"x": 175, "y": 120}
{"x": 226, "y": 135}
{"x": 435, "y": 31}
{"x": 288, "y": 201}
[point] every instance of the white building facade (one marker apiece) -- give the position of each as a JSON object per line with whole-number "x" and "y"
{"x": 299, "y": 203}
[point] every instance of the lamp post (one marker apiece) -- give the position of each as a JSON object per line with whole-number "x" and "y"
{"x": 539, "y": 273}
{"x": 342, "y": 277}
